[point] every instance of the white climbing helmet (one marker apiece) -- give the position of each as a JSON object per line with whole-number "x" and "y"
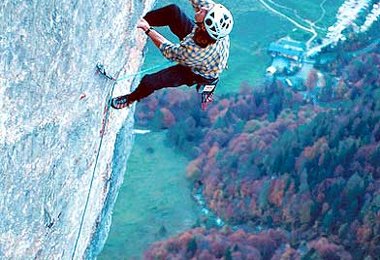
{"x": 218, "y": 22}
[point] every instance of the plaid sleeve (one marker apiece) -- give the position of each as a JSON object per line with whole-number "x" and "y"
{"x": 178, "y": 53}
{"x": 201, "y": 3}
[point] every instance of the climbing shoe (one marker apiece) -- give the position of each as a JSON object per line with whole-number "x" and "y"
{"x": 121, "y": 102}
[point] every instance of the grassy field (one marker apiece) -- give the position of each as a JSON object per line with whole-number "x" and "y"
{"x": 154, "y": 201}
{"x": 311, "y": 9}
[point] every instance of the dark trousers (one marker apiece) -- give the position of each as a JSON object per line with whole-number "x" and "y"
{"x": 174, "y": 76}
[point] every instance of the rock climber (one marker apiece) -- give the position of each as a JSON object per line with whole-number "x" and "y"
{"x": 201, "y": 55}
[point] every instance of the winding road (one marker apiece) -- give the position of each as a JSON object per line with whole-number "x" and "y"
{"x": 311, "y": 28}
{"x": 346, "y": 15}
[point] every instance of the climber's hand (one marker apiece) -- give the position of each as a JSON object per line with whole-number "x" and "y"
{"x": 143, "y": 24}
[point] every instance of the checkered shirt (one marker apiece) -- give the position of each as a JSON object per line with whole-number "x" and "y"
{"x": 208, "y": 62}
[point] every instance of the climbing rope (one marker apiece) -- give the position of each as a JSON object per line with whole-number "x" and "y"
{"x": 143, "y": 71}
{"x": 92, "y": 177}
{"x": 115, "y": 80}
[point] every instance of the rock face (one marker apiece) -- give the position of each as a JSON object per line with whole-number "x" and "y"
{"x": 51, "y": 114}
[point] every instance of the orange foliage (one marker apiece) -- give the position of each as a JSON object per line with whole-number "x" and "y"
{"x": 363, "y": 234}
{"x": 276, "y": 193}
{"x": 152, "y": 103}
{"x": 205, "y": 255}
{"x": 239, "y": 144}
{"x": 318, "y": 148}
{"x": 168, "y": 118}
{"x": 185, "y": 238}
{"x": 213, "y": 151}
{"x": 193, "y": 169}
{"x": 218, "y": 111}
{"x": 176, "y": 96}
{"x": 329, "y": 250}
{"x": 312, "y": 79}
